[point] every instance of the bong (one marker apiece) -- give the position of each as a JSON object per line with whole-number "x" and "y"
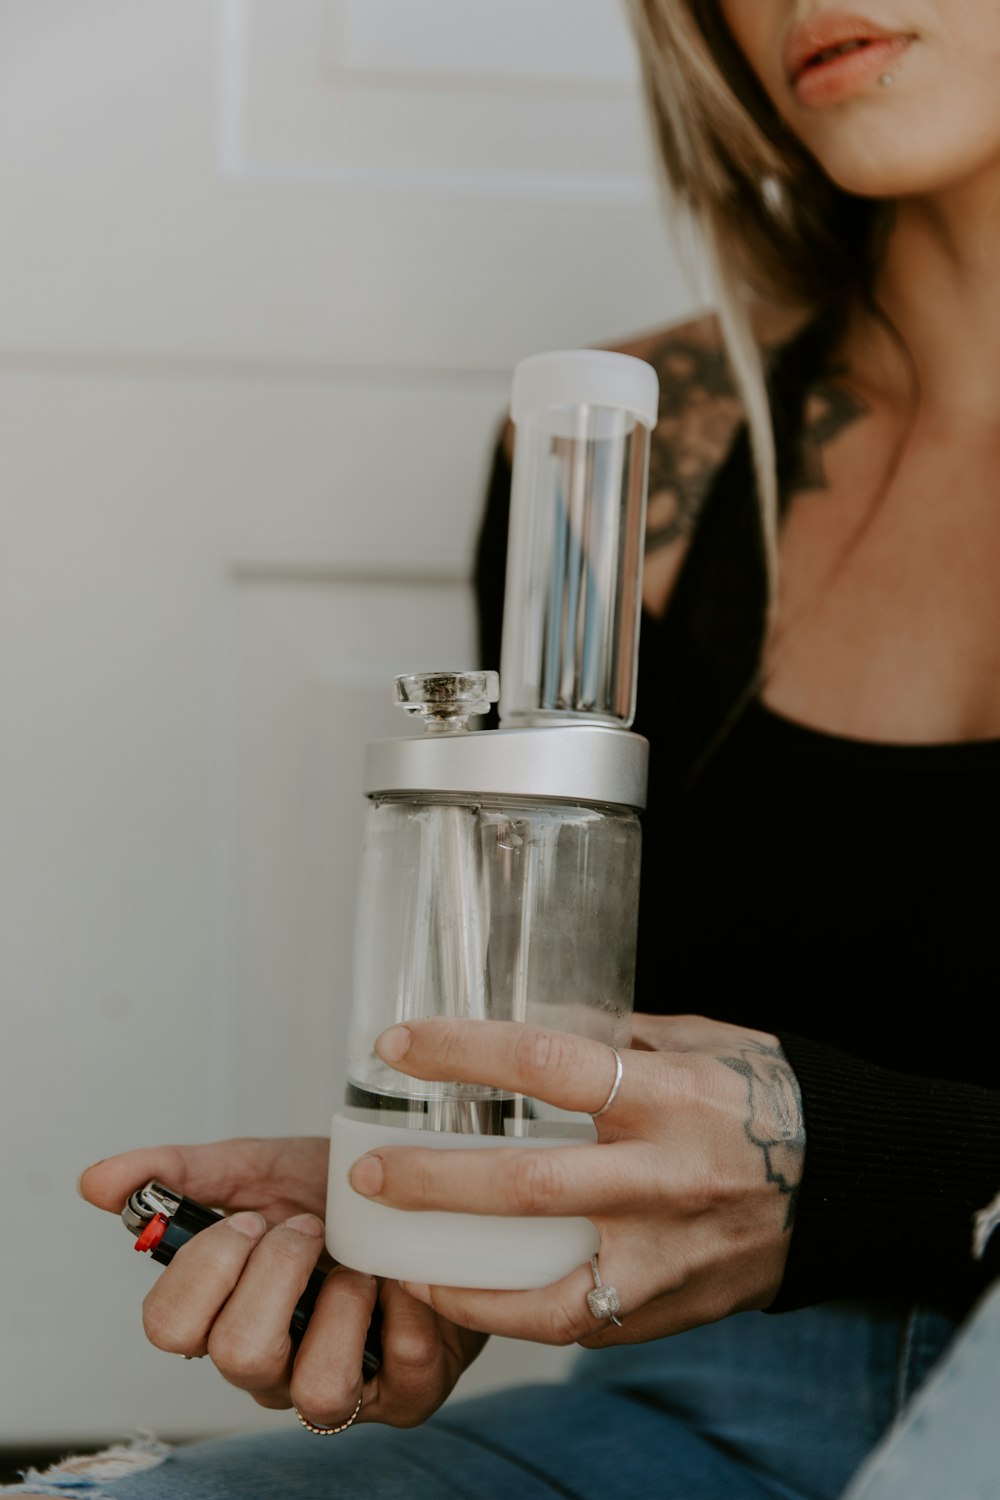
{"x": 500, "y": 871}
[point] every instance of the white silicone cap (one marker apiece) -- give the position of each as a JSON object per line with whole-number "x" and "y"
{"x": 585, "y": 377}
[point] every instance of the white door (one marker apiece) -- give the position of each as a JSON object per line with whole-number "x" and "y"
{"x": 265, "y": 268}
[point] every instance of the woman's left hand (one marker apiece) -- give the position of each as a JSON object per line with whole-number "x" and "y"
{"x": 692, "y": 1184}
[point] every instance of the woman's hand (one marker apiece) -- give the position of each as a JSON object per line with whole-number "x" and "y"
{"x": 231, "y": 1290}
{"x": 692, "y": 1185}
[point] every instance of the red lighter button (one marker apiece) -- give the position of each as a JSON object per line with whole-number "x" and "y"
{"x": 152, "y": 1234}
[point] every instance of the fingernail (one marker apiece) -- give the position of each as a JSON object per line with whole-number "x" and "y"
{"x": 83, "y": 1174}
{"x": 305, "y": 1224}
{"x": 393, "y": 1044}
{"x": 250, "y": 1224}
{"x": 366, "y": 1176}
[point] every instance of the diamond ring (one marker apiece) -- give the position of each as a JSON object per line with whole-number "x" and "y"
{"x": 603, "y": 1300}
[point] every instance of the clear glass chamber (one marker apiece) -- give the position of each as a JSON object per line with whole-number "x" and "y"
{"x": 577, "y": 523}
{"x": 572, "y": 635}
{"x": 499, "y": 906}
{"x": 500, "y": 873}
{"x": 497, "y": 910}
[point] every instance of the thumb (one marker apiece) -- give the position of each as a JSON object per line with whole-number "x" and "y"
{"x": 220, "y": 1175}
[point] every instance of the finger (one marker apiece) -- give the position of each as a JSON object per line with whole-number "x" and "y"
{"x": 212, "y": 1173}
{"x": 507, "y": 1180}
{"x": 419, "y": 1368}
{"x": 246, "y": 1172}
{"x": 183, "y": 1303}
{"x": 571, "y": 1072}
{"x": 556, "y": 1314}
{"x": 249, "y": 1342}
{"x": 661, "y": 1289}
{"x": 326, "y": 1379}
{"x": 560, "y": 1313}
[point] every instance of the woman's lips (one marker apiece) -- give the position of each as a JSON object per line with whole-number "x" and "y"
{"x": 834, "y": 76}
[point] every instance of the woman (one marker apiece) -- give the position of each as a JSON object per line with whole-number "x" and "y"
{"x": 818, "y": 681}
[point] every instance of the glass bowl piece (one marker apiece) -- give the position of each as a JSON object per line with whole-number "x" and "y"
{"x": 446, "y": 701}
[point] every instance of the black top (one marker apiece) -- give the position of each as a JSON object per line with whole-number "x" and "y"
{"x": 840, "y": 893}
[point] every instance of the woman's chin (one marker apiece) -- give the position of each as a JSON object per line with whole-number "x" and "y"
{"x": 915, "y": 169}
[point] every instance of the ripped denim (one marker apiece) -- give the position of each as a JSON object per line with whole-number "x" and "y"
{"x": 82, "y": 1478}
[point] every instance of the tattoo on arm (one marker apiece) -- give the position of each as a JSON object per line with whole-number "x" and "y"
{"x": 774, "y": 1117}
{"x": 699, "y": 415}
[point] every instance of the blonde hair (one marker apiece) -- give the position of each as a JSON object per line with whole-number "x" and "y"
{"x": 778, "y": 231}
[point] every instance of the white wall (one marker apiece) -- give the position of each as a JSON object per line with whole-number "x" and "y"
{"x": 265, "y": 267}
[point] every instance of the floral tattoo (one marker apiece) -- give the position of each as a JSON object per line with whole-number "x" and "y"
{"x": 700, "y": 414}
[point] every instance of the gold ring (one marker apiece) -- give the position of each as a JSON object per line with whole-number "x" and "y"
{"x": 328, "y": 1431}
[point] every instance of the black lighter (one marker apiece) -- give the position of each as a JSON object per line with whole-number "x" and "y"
{"x": 162, "y": 1221}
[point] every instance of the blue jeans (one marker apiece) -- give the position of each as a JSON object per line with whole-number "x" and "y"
{"x": 747, "y": 1409}
{"x": 948, "y": 1443}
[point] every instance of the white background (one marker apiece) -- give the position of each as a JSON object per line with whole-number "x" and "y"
{"x": 265, "y": 268}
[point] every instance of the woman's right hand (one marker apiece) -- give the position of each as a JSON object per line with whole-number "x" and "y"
{"x": 231, "y": 1290}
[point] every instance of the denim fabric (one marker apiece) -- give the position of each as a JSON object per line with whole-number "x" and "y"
{"x": 748, "y": 1409}
{"x": 947, "y": 1441}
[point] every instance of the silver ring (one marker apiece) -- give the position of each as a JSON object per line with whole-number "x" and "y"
{"x": 327, "y": 1431}
{"x": 603, "y": 1300}
{"x": 596, "y": 1113}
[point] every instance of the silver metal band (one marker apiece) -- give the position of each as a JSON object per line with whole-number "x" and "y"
{"x": 595, "y": 1114}
{"x": 587, "y": 763}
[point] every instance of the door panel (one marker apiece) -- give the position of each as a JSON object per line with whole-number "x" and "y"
{"x": 264, "y": 273}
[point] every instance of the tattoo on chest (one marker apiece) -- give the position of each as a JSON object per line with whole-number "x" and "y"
{"x": 830, "y": 408}
{"x": 773, "y": 1122}
{"x": 700, "y": 414}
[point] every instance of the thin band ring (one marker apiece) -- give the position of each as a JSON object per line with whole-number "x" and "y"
{"x": 327, "y": 1431}
{"x": 595, "y": 1114}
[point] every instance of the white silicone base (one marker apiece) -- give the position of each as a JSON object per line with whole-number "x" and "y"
{"x": 445, "y": 1249}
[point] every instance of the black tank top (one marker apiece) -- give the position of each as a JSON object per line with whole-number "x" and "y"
{"x": 843, "y": 894}
{"x": 840, "y": 882}
{"x": 801, "y": 881}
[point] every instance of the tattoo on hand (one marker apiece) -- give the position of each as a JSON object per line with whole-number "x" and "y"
{"x": 774, "y": 1117}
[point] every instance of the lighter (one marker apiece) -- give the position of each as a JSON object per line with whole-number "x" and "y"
{"x": 163, "y": 1220}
